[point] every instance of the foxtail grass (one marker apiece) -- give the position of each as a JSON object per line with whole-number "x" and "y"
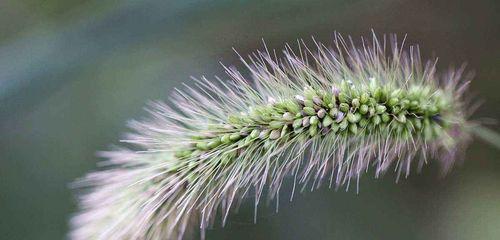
{"x": 317, "y": 115}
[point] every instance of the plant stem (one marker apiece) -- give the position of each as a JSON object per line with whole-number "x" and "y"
{"x": 487, "y": 135}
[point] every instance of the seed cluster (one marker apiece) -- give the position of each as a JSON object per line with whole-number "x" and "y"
{"x": 325, "y": 114}
{"x": 345, "y": 110}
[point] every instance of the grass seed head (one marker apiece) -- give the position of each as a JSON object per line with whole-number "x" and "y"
{"x": 323, "y": 114}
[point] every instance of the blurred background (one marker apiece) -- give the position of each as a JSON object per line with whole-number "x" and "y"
{"x": 72, "y": 72}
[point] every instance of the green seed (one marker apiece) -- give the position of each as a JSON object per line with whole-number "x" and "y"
{"x": 392, "y": 102}
{"x": 363, "y": 109}
{"x": 335, "y": 127}
{"x": 308, "y": 103}
{"x": 298, "y": 130}
{"x": 276, "y": 124}
{"x": 292, "y": 106}
{"x": 266, "y": 117}
{"x": 313, "y": 131}
{"x": 363, "y": 122}
{"x": 353, "y": 128}
{"x": 179, "y": 154}
{"x": 355, "y": 103}
{"x": 343, "y": 125}
{"x": 225, "y": 139}
{"x": 405, "y": 104}
{"x": 379, "y": 95}
{"x": 213, "y": 144}
{"x": 327, "y": 121}
{"x": 254, "y": 134}
{"x": 287, "y": 116}
{"x": 352, "y": 118}
{"x": 314, "y": 120}
{"x": 334, "y": 112}
{"x": 396, "y": 109}
{"x": 309, "y": 92}
{"x": 376, "y": 119}
{"x": 414, "y": 105}
{"x": 182, "y": 154}
{"x": 343, "y": 97}
{"x": 196, "y": 153}
{"x": 297, "y": 123}
{"x": 386, "y": 117}
{"x": 198, "y": 137}
{"x": 344, "y": 107}
{"x": 372, "y": 111}
{"x": 433, "y": 110}
{"x": 380, "y": 109}
{"x": 202, "y": 146}
{"x": 364, "y": 98}
{"x": 284, "y": 131}
{"x": 396, "y": 93}
{"x": 417, "y": 123}
{"x": 309, "y": 111}
{"x": 327, "y": 99}
{"x": 235, "y": 137}
{"x": 401, "y": 118}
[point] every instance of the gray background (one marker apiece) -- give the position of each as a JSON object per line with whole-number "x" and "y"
{"x": 73, "y": 72}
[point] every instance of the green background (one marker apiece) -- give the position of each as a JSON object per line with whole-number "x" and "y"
{"x": 73, "y": 72}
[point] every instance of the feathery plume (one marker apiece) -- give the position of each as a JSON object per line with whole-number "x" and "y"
{"x": 319, "y": 115}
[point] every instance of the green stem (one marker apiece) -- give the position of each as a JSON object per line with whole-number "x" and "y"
{"x": 487, "y": 135}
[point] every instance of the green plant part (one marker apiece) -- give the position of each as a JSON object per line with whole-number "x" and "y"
{"x": 318, "y": 115}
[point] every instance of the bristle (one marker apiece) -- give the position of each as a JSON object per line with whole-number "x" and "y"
{"x": 319, "y": 114}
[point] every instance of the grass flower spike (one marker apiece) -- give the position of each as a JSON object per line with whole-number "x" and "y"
{"x": 321, "y": 115}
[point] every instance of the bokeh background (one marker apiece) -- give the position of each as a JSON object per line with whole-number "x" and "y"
{"x": 72, "y": 72}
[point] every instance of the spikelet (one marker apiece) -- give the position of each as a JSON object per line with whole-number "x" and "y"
{"x": 318, "y": 115}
